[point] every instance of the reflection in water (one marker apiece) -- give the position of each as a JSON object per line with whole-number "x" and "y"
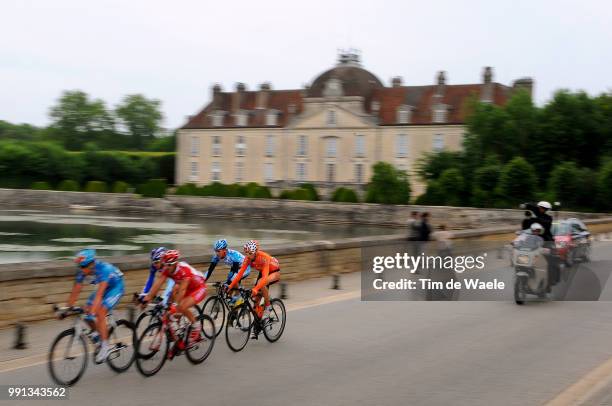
{"x": 31, "y": 235}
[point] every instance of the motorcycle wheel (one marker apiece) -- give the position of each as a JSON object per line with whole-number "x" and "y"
{"x": 519, "y": 291}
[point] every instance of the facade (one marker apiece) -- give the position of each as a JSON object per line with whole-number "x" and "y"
{"x": 329, "y": 133}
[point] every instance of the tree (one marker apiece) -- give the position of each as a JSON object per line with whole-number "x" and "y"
{"x": 564, "y": 184}
{"x": 451, "y": 184}
{"x": 388, "y": 185}
{"x": 433, "y": 164}
{"x": 142, "y": 118}
{"x": 483, "y": 185}
{"x": 77, "y": 119}
{"x": 517, "y": 182}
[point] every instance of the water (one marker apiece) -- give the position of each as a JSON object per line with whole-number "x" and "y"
{"x": 38, "y": 235}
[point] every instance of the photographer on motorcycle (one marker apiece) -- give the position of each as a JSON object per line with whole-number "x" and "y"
{"x": 541, "y": 217}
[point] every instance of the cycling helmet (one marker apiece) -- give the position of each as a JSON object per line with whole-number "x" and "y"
{"x": 85, "y": 257}
{"x": 545, "y": 205}
{"x": 536, "y": 227}
{"x": 170, "y": 257}
{"x": 157, "y": 253}
{"x": 251, "y": 247}
{"x": 220, "y": 245}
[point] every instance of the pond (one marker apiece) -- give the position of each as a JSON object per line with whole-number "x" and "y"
{"x": 39, "y": 235}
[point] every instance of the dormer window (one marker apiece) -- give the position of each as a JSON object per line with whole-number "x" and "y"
{"x": 439, "y": 114}
{"x": 217, "y": 118}
{"x": 403, "y": 114}
{"x": 331, "y": 118}
{"x": 241, "y": 118}
{"x": 271, "y": 118}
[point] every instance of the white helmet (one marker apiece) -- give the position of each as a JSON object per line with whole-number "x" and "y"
{"x": 545, "y": 205}
{"x": 536, "y": 227}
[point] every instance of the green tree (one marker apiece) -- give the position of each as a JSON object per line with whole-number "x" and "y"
{"x": 451, "y": 184}
{"x": 564, "y": 184}
{"x": 77, "y": 119}
{"x": 483, "y": 185}
{"x": 388, "y": 185}
{"x": 141, "y": 117}
{"x": 343, "y": 194}
{"x": 517, "y": 182}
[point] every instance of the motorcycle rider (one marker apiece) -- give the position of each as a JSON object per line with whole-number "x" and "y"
{"x": 541, "y": 217}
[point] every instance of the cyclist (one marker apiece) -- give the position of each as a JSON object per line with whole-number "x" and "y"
{"x": 191, "y": 288}
{"x": 156, "y": 255}
{"x": 232, "y": 258}
{"x": 269, "y": 273}
{"x": 110, "y": 289}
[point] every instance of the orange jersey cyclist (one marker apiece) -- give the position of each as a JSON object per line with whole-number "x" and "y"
{"x": 269, "y": 272}
{"x": 190, "y": 288}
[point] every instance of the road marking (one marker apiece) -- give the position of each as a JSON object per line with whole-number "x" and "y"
{"x": 586, "y": 387}
{"x": 38, "y": 359}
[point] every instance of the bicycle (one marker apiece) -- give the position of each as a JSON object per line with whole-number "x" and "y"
{"x": 243, "y": 318}
{"x": 121, "y": 336}
{"x": 154, "y": 345}
{"x": 152, "y": 314}
{"x": 217, "y": 306}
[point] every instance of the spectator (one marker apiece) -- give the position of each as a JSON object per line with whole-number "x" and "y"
{"x": 424, "y": 227}
{"x": 413, "y": 226}
{"x": 443, "y": 236}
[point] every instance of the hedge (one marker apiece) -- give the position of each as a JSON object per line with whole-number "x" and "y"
{"x": 96, "y": 186}
{"x": 68, "y": 185}
{"x": 153, "y": 188}
{"x": 41, "y": 186}
{"x": 343, "y": 194}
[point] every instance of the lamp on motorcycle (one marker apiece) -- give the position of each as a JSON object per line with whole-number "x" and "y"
{"x": 522, "y": 260}
{"x": 560, "y": 244}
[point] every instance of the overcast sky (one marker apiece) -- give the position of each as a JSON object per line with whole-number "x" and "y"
{"x": 175, "y": 50}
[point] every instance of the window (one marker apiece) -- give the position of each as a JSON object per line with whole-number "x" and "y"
{"x": 439, "y": 115}
{"x": 302, "y": 146}
{"x": 216, "y": 145}
{"x": 195, "y": 146}
{"x": 241, "y": 119}
{"x": 330, "y": 173}
{"x": 240, "y": 145}
{"x": 359, "y": 173}
{"x": 359, "y": 145}
{"x": 401, "y": 146}
{"x": 331, "y": 147}
{"x": 269, "y": 172}
{"x": 300, "y": 171}
{"x": 216, "y": 171}
{"x": 239, "y": 171}
{"x": 438, "y": 142}
{"x": 331, "y": 117}
{"x": 403, "y": 115}
{"x": 269, "y": 145}
{"x": 194, "y": 171}
{"x": 217, "y": 119}
{"x": 271, "y": 118}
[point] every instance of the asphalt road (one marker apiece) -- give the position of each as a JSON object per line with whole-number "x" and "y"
{"x": 350, "y": 352}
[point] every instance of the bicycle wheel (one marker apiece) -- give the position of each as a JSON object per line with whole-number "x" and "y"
{"x": 152, "y": 349}
{"x": 67, "y": 358}
{"x": 273, "y": 327}
{"x": 238, "y": 327}
{"x": 122, "y": 341}
{"x": 199, "y": 351}
{"x": 143, "y": 321}
{"x": 214, "y": 307}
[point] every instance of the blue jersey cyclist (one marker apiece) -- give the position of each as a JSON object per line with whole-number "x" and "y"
{"x": 233, "y": 259}
{"x": 154, "y": 268}
{"x": 110, "y": 290}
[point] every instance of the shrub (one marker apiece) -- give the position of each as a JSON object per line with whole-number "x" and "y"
{"x": 68, "y": 186}
{"x": 262, "y": 192}
{"x": 153, "y": 188}
{"x": 41, "y": 186}
{"x": 313, "y": 194}
{"x": 188, "y": 189}
{"x": 120, "y": 187}
{"x": 517, "y": 182}
{"x": 388, "y": 185}
{"x": 343, "y": 194}
{"x": 95, "y": 186}
{"x": 304, "y": 192}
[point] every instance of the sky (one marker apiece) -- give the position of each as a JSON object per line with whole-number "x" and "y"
{"x": 175, "y": 51}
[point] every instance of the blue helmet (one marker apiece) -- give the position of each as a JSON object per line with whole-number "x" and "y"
{"x": 220, "y": 244}
{"x": 157, "y": 253}
{"x": 85, "y": 257}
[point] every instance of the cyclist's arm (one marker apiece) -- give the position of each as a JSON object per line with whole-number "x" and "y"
{"x": 98, "y": 299}
{"x": 211, "y": 268}
{"x": 168, "y": 291}
{"x": 74, "y": 295}
{"x": 150, "y": 280}
{"x": 264, "y": 277}
{"x": 243, "y": 268}
{"x": 162, "y": 278}
{"x": 182, "y": 288}
{"x": 233, "y": 271}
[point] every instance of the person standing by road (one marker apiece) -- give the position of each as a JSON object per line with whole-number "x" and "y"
{"x": 413, "y": 226}
{"x": 424, "y": 228}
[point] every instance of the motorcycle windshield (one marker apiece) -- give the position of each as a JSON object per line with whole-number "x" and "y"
{"x": 529, "y": 242}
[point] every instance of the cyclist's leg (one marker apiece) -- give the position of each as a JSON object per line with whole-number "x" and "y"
{"x": 109, "y": 301}
{"x": 191, "y": 298}
{"x": 272, "y": 278}
{"x": 90, "y": 318}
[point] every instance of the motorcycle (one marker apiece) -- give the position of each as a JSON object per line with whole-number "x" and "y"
{"x": 530, "y": 266}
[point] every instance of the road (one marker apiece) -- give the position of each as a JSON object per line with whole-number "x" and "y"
{"x": 340, "y": 351}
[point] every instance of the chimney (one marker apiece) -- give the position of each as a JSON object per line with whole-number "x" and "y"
{"x": 486, "y": 94}
{"x": 396, "y": 81}
{"x": 238, "y": 96}
{"x": 216, "y": 96}
{"x": 262, "y": 96}
{"x": 523, "y": 84}
{"x": 440, "y": 83}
